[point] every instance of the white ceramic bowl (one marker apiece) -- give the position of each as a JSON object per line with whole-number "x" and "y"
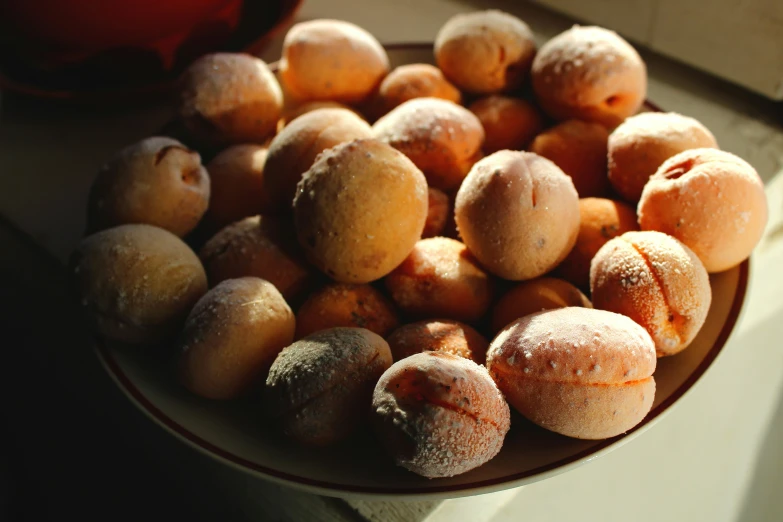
{"x": 237, "y": 433}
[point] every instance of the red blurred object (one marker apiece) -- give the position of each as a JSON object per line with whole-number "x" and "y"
{"x": 54, "y": 32}
{"x": 96, "y": 51}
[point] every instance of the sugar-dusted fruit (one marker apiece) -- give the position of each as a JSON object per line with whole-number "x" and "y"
{"x": 349, "y": 305}
{"x": 293, "y": 151}
{"x": 658, "y": 282}
{"x": 237, "y": 176}
{"x": 438, "y": 213}
{"x": 231, "y": 337}
{"x": 509, "y": 123}
{"x": 438, "y": 335}
{"x": 442, "y": 138}
{"x": 580, "y": 372}
{"x": 485, "y": 52}
{"x": 441, "y": 278}
{"x": 258, "y": 246}
{"x": 157, "y": 181}
{"x": 712, "y": 201}
{"x": 579, "y": 149}
{"x": 331, "y": 60}
{"x": 409, "y": 81}
{"x": 359, "y": 210}
{"x": 518, "y": 213}
{"x": 643, "y": 142}
{"x": 439, "y": 415}
{"x": 137, "y": 283}
{"x": 535, "y": 295}
{"x": 600, "y": 220}
{"x": 591, "y": 74}
{"x": 319, "y": 389}
{"x": 292, "y": 113}
{"x": 229, "y": 98}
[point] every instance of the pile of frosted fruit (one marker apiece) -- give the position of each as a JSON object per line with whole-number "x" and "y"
{"x": 369, "y": 230}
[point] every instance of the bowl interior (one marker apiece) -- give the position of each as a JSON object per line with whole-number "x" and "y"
{"x": 238, "y": 433}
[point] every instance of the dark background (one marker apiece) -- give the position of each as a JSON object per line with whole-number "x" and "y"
{"x": 71, "y": 446}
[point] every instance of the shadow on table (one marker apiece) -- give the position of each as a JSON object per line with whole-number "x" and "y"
{"x": 763, "y": 501}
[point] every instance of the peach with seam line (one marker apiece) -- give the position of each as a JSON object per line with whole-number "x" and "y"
{"x": 658, "y": 282}
{"x": 439, "y": 415}
{"x": 580, "y": 372}
{"x": 518, "y": 213}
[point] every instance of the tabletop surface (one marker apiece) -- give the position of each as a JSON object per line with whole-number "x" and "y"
{"x": 75, "y": 445}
